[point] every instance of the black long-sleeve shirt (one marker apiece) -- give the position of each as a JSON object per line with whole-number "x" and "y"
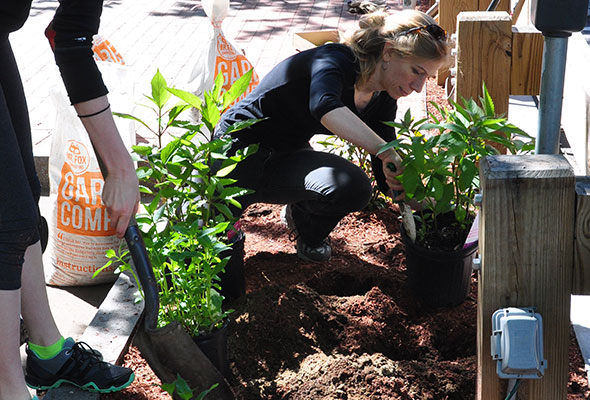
{"x": 298, "y": 92}
{"x": 74, "y": 25}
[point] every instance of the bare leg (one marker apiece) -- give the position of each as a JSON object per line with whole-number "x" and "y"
{"x": 12, "y": 380}
{"x": 35, "y": 305}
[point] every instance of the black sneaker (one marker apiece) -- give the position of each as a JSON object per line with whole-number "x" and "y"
{"x": 79, "y": 365}
{"x": 321, "y": 253}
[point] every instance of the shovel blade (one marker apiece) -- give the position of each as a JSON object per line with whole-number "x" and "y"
{"x": 170, "y": 350}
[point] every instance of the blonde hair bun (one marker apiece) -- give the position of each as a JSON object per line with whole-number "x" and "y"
{"x": 373, "y": 20}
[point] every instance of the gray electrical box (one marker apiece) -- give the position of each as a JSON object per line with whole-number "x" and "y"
{"x": 558, "y": 17}
{"x": 517, "y": 343}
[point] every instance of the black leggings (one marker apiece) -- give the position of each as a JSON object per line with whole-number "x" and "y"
{"x": 19, "y": 185}
{"x": 321, "y": 187}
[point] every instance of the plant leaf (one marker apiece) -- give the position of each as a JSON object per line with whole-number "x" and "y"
{"x": 237, "y": 89}
{"x": 487, "y": 102}
{"x": 160, "y": 94}
{"x": 188, "y": 97}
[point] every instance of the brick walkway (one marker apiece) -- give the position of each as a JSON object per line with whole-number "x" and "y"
{"x": 169, "y": 35}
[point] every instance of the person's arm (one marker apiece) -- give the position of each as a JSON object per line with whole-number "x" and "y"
{"x": 343, "y": 123}
{"x": 120, "y": 193}
{"x": 329, "y": 71}
{"x": 70, "y": 35}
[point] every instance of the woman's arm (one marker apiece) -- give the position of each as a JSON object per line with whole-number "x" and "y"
{"x": 70, "y": 36}
{"x": 120, "y": 193}
{"x": 343, "y": 123}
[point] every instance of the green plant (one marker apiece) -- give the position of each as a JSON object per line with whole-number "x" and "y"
{"x": 441, "y": 169}
{"x": 121, "y": 256}
{"x": 359, "y": 156}
{"x": 186, "y": 222}
{"x": 181, "y": 387}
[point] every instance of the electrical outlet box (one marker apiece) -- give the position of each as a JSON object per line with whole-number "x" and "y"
{"x": 517, "y": 343}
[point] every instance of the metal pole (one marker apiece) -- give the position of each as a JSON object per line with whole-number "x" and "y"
{"x": 551, "y": 96}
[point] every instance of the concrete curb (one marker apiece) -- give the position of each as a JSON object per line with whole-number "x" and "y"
{"x": 110, "y": 332}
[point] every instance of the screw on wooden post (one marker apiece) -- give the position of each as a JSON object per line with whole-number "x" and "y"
{"x": 526, "y": 245}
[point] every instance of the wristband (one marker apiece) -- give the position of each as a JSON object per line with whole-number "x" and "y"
{"x": 96, "y": 113}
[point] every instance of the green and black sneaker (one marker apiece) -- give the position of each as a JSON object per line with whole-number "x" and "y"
{"x": 79, "y": 365}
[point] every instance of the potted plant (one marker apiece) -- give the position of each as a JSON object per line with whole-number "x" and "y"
{"x": 187, "y": 226}
{"x": 440, "y": 172}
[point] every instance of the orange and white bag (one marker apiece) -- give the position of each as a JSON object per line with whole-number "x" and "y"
{"x": 104, "y": 51}
{"x": 80, "y": 230}
{"x": 220, "y": 56}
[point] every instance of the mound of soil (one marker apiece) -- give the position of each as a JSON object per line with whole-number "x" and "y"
{"x": 346, "y": 329}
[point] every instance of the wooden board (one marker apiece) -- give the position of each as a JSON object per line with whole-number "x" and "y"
{"x": 447, "y": 19}
{"x": 484, "y": 46}
{"x": 527, "y": 59}
{"x": 526, "y": 244}
{"x": 581, "y": 279}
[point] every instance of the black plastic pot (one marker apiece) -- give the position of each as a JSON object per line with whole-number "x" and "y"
{"x": 233, "y": 283}
{"x": 214, "y": 346}
{"x": 439, "y": 278}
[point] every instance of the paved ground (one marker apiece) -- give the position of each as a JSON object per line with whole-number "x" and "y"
{"x": 169, "y": 34}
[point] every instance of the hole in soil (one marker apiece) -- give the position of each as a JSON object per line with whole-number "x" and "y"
{"x": 455, "y": 339}
{"x": 335, "y": 283}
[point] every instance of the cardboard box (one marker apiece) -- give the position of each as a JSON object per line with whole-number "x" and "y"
{"x": 307, "y": 40}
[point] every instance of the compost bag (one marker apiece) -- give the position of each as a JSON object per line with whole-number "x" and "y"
{"x": 80, "y": 230}
{"x": 220, "y": 56}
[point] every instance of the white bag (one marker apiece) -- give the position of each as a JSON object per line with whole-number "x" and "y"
{"x": 79, "y": 227}
{"x": 80, "y": 231}
{"x": 220, "y": 56}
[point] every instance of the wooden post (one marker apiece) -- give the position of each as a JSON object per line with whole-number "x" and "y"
{"x": 484, "y": 46}
{"x": 447, "y": 19}
{"x": 581, "y": 279}
{"x": 527, "y": 58}
{"x": 526, "y": 246}
{"x": 448, "y": 12}
{"x": 449, "y": 9}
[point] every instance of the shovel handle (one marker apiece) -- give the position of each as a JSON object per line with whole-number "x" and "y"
{"x": 142, "y": 264}
{"x": 145, "y": 272}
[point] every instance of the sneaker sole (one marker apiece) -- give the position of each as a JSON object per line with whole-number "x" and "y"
{"x": 89, "y": 387}
{"x": 302, "y": 256}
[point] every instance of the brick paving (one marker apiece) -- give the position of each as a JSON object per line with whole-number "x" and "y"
{"x": 169, "y": 35}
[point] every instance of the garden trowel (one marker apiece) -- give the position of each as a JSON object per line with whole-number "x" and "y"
{"x": 407, "y": 216}
{"x": 169, "y": 350}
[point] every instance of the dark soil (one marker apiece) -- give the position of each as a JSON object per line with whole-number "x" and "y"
{"x": 346, "y": 329}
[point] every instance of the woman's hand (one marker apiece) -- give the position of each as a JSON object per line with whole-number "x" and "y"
{"x": 120, "y": 195}
{"x": 392, "y": 168}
